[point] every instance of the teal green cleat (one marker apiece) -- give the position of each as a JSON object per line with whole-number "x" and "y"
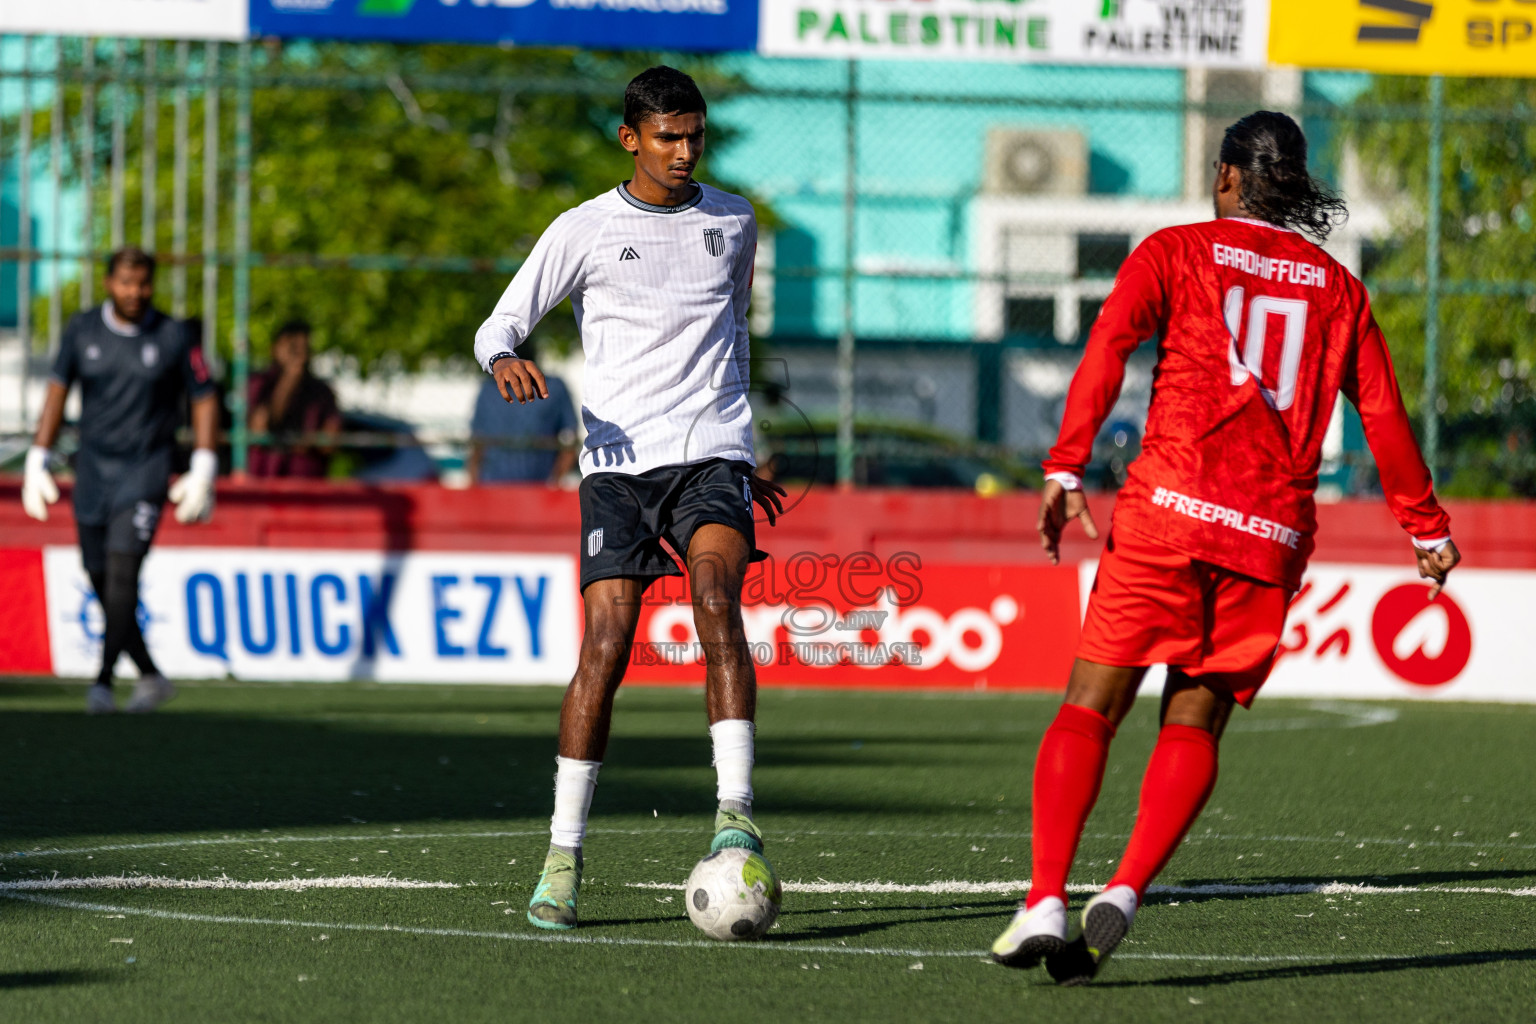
{"x": 554, "y": 899}
{"x": 734, "y": 829}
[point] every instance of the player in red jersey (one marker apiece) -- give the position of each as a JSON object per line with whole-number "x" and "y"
{"x": 1259, "y": 330}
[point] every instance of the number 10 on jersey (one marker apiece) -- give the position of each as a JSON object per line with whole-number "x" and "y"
{"x": 1251, "y": 327}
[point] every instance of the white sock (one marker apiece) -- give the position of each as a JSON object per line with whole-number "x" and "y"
{"x": 574, "y": 782}
{"x": 733, "y": 762}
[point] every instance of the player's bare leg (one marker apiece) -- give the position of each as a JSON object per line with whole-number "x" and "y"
{"x": 718, "y": 557}
{"x": 1180, "y": 776}
{"x": 612, "y": 611}
{"x": 1068, "y": 772}
{"x": 1109, "y": 690}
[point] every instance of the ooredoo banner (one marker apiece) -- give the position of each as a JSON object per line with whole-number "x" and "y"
{"x": 863, "y": 621}
{"x": 1155, "y": 33}
{"x": 1372, "y": 631}
{"x": 149, "y": 19}
{"x": 1368, "y": 631}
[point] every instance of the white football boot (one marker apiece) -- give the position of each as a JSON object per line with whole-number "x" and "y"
{"x": 1033, "y": 934}
{"x": 99, "y": 700}
{"x": 1106, "y": 920}
{"x": 149, "y": 693}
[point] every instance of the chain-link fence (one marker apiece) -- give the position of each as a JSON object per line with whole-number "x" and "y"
{"x": 936, "y": 237}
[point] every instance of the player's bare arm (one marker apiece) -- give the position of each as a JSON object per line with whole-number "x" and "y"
{"x": 519, "y": 380}
{"x": 1058, "y": 507}
{"x": 205, "y": 422}
{"x": 52, "y": 416}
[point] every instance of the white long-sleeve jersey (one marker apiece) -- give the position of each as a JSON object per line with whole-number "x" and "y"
{"x": 661, "y": 296}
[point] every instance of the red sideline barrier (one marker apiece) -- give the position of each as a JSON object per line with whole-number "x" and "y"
{"x": 940, "y": 526}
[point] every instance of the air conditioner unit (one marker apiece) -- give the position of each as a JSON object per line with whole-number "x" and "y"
{"x": 1036, "y": 162}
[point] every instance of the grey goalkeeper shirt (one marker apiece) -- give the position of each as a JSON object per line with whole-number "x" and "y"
{"x": 132, "y": 379}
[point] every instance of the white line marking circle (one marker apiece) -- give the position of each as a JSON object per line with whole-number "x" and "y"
{"x": 957, "y": 887}
{"x": 614, "y": 940}
{"x": 230, "y": 840}
{"x": 225, "y": 882}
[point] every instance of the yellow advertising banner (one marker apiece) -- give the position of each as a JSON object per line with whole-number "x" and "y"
{"x": 1412, "y": 37}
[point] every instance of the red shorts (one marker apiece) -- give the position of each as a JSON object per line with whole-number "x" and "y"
{"x": 1154, "y": 606}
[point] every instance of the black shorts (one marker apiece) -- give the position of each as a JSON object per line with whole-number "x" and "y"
{"x": 129, "y": 532}
{"x": 625, "y": 517}
{"x": 107, "y": 484}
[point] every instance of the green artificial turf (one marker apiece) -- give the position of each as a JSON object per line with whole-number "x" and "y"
{"x": 453, "y": 784}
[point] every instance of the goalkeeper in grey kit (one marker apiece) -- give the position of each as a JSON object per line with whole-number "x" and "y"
{"x": 134, "y": 364}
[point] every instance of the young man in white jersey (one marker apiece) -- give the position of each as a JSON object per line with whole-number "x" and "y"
{"x": 659, "y": 271}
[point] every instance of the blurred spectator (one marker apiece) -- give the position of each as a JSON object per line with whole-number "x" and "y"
{"x": 287, "y": 400}
{"x": 535, "y": 441}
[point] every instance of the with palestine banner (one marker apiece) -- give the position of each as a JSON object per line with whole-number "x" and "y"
{"x": 1153, "y": 33}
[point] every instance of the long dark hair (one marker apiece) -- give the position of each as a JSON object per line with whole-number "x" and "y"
{"x": 1270, "y": 150}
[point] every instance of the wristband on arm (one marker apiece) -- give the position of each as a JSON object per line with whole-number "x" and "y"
{"x": 490, "y": 364}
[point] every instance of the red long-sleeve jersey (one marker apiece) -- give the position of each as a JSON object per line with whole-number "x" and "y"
{"x": 1258, "y": 330}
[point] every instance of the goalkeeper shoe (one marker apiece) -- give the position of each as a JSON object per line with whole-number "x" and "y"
{"x": 1033, "y": 934}
{"x": 1106, "y": 919}
{"x": 99, "y": 700}
{"x": 732, "y": 828}
{"x": 554, "y": 899}
{"x": 149, "y": 693}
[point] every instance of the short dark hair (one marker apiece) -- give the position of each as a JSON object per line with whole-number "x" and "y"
{"x": 1271, "y": 151}
{"x": 294, "y": 326}
{"x": 130, "y": 256}
{"x": 661, "y": 90}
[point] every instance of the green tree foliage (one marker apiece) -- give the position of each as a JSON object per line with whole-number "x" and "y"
{"x": 1488, "y": 265}
{"x": 389, "y": 151}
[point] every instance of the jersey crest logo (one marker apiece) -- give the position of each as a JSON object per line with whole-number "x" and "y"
{"x": 714, "y": 241}
{"x": 628, "y": 254}
{"x": 150, "y": 354}
{"x": 594, "y": 542}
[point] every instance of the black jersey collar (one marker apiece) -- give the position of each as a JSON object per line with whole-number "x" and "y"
{"x": 686, "y": 204}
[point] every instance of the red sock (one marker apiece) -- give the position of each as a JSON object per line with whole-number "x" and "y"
{"x": 1068, "y": 772}
{"x": 1179, "y": 780}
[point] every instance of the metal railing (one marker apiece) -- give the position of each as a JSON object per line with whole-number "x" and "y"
{"x": 882, "y": 219}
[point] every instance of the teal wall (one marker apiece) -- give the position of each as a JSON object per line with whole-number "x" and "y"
{"x": 919, "y": 171}
{"x": 40, "y": 200}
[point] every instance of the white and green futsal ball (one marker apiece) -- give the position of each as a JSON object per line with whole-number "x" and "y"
{"x": 733, "y": 894}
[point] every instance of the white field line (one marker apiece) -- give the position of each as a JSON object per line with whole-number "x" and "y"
{"x": 269, "y": 884}
{"x": 273, "y": 840}
{"x": 616, "y": 940}
{"x": 956, "y": 887}
{"x": 1355, "y": 716}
